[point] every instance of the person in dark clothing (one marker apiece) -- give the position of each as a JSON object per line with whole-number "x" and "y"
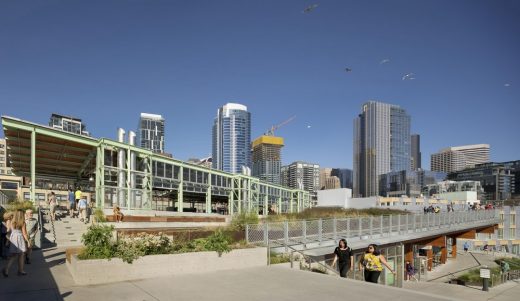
{"x": 343, "y": 254}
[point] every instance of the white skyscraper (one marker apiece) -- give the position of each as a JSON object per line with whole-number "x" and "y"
{"x": 459, "y": 157}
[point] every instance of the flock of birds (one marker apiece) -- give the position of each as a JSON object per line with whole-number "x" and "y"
{"x": 407, "y": 76}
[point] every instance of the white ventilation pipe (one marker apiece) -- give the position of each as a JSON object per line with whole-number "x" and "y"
{"x": 131, "y": 141}
{"x": 121, "y": 135}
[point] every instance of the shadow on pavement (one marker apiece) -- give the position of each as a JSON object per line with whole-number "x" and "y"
{"x": 39, "y": 283}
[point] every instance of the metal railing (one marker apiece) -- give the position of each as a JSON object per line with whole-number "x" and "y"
{"x": 307, "y": 260}
{"x": 319, "y": 230}
{"x": 504, "y": 277}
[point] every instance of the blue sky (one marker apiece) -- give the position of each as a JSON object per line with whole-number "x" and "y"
{"x": 107, "y": 61}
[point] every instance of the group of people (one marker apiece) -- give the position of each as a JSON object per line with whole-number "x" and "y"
{"x": 19, "y": 230}
{"x": 77, "y": 205}
{"x": 431, "y": 209}
{"x": 371, "y": 263}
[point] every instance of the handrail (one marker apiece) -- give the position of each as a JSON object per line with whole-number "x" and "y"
{"x": 293, "y": 250}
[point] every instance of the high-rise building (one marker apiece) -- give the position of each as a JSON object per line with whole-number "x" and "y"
{"x": 267, "y": 158}
{"x": 332, "y": 183}
{"x": 499, "y": 180}
{"x": 457, "y": 158}
{"x": 150, "y": 132}
{"x": 232, "y": 138}
{"x": 324, "y": 175}
{"x": 344, "y": 175}
{"x": 416, "y": 151}
{"x": 68, "y": 124}
{"x": 302, "y": 175}
{"x": 406, "y": 182}
{"x": 381, "y": 145}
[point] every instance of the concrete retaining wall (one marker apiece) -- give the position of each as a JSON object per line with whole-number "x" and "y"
{"x": 99, "y": 271}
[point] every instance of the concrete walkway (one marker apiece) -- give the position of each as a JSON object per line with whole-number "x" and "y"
{"x": 49, "y": 279}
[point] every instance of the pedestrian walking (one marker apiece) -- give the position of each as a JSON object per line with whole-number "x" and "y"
{"x": 466, "y": 246}
{"x": 82, "y": 206}
{"x": 77, "y": 196}
{"x": 410, "y": 272}
{"x": 31, "y": 227}
{"x": 52, "y": 205}
{"x": 18, "y": 246}
{"x": 343, "y": 255}
{"x": 6, "y": 231}
{"x": 72, "y": 202}
{"x": 372, "y": 264}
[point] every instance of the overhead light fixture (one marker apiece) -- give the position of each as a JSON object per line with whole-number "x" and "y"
{"x": 91, "y": 179}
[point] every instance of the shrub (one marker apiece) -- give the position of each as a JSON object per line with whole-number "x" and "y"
{"x": 240, "y": 221}
{"x": 218, "y": 242}
{"x": 279, "y": 258}
{"x": 98, "y": 243}
{"x": 20, "y": 205}
{"x": 99, "y": 215}
{"x": 131, "y": 247}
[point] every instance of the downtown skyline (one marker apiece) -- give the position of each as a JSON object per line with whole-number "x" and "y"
{"x": 273, "y": 59}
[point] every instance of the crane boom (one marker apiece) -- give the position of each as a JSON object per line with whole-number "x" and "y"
{"x": 270, "y": 132}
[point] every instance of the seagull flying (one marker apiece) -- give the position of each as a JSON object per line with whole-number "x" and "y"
{"x": 384, "y": 61}
{"x": 309, "y": 8}
{"x": 309, "y": 126}
{"x": 348, "y": 70}
{"x": 507, "y": 85}
{"x": 408, "y": 76}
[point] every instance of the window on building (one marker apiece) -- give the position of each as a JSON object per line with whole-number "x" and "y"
{"x": 9, "y": 185}
{"x": 26, "y": 196}
{"x": 500, "y": 233}
{"x": 512, "y": 218}
{"x": 512, "y": 233}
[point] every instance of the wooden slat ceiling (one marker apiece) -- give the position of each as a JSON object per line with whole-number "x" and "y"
{"x": 53, "y": 155}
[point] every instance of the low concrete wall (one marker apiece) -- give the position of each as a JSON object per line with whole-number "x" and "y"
{"x": 99, "y": 271}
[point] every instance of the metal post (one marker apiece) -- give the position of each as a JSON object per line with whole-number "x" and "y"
{"x": 247, "y": 234}
{"x": 33, "y": 166}
{"x": 407, "y": 223}
{"x": 360, "y": 220}
{"x": 399, "y": 224}
{"x": 389, "y": 225}
{"x": 320, "y": 230}
{"x": 335, "y": 229}
{"x": 428, "y": 222}
{"x": 304, "y": 233}
{"x": 371, "y": 226}
{"x": 348, "y": 227}
{"x": 381, "y": 220}
{"x": 414, "y": 223}
{"x": 266, "y": 233}
{"x": 286, "y": 235}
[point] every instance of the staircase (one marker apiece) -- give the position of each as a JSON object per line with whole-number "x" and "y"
{"x": 65, "y": 232}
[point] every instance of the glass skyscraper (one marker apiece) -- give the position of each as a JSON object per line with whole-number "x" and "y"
{"x": 232, "y": 138}
{"x": 381, "y": 145}
{"x": 150, "y": 132}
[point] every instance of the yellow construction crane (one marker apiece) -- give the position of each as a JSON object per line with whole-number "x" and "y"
{"x": 270, "y": 132}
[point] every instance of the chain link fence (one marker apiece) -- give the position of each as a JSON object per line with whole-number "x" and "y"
{"x": 307, "y": 231}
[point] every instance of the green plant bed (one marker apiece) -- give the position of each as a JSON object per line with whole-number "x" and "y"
{"x": 20, "y": 205}
{"x": 279, "y": 258}
{"x": 99, "y": 244}
{"x": 514, "y": 263}
{"x": 473, "y": 276}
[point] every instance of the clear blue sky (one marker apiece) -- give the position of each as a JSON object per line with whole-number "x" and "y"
{"x": 107, "y": 61}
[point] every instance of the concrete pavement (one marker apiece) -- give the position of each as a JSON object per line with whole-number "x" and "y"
{"x": 49, "y": 279}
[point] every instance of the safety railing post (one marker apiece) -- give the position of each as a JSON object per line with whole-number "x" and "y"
{"x": 286, "y": 235}
{"x": 247, "y": 234}
{"x": 389, "y": 225}
{"x": 399, "y": 224}
{"x": 407, "y": 218}
{"x": 320, "y": 230}
{"x": 381, "y": 224}
{"x": 304, "y": 233}
{"x": 335, "y": 229}
{"x": 371, "y": 227}
{"x": 360, "y": 220}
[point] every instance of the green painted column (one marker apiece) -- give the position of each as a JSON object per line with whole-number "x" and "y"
{"x": 180, "y": 200}
{"x": 98, "y": 176}
{"x": 208, "y": 199}
{"x": 101, "y": 170}
{"x": 128, "y": 188}
{"x": 279, "y": 205}
{"x": 33, "y": 166}
{"x": 230, "y": 201}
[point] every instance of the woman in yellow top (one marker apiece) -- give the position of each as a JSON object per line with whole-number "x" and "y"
{"x": 372, "y": 263}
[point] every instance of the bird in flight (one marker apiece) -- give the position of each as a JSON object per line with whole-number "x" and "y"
{"x": 309, "y": 126}
{"x": 348, "y": 70}
{"x": 507, "y": 85}
{"x": 408, "y": 76}
{"x": 384, "y": 61}
{"x": 309, "y": 8}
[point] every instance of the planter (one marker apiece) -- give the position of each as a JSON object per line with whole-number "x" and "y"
{"x": 100, "y": 271}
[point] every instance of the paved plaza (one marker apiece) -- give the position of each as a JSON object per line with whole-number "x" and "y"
{"x": 49, "y": 279}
